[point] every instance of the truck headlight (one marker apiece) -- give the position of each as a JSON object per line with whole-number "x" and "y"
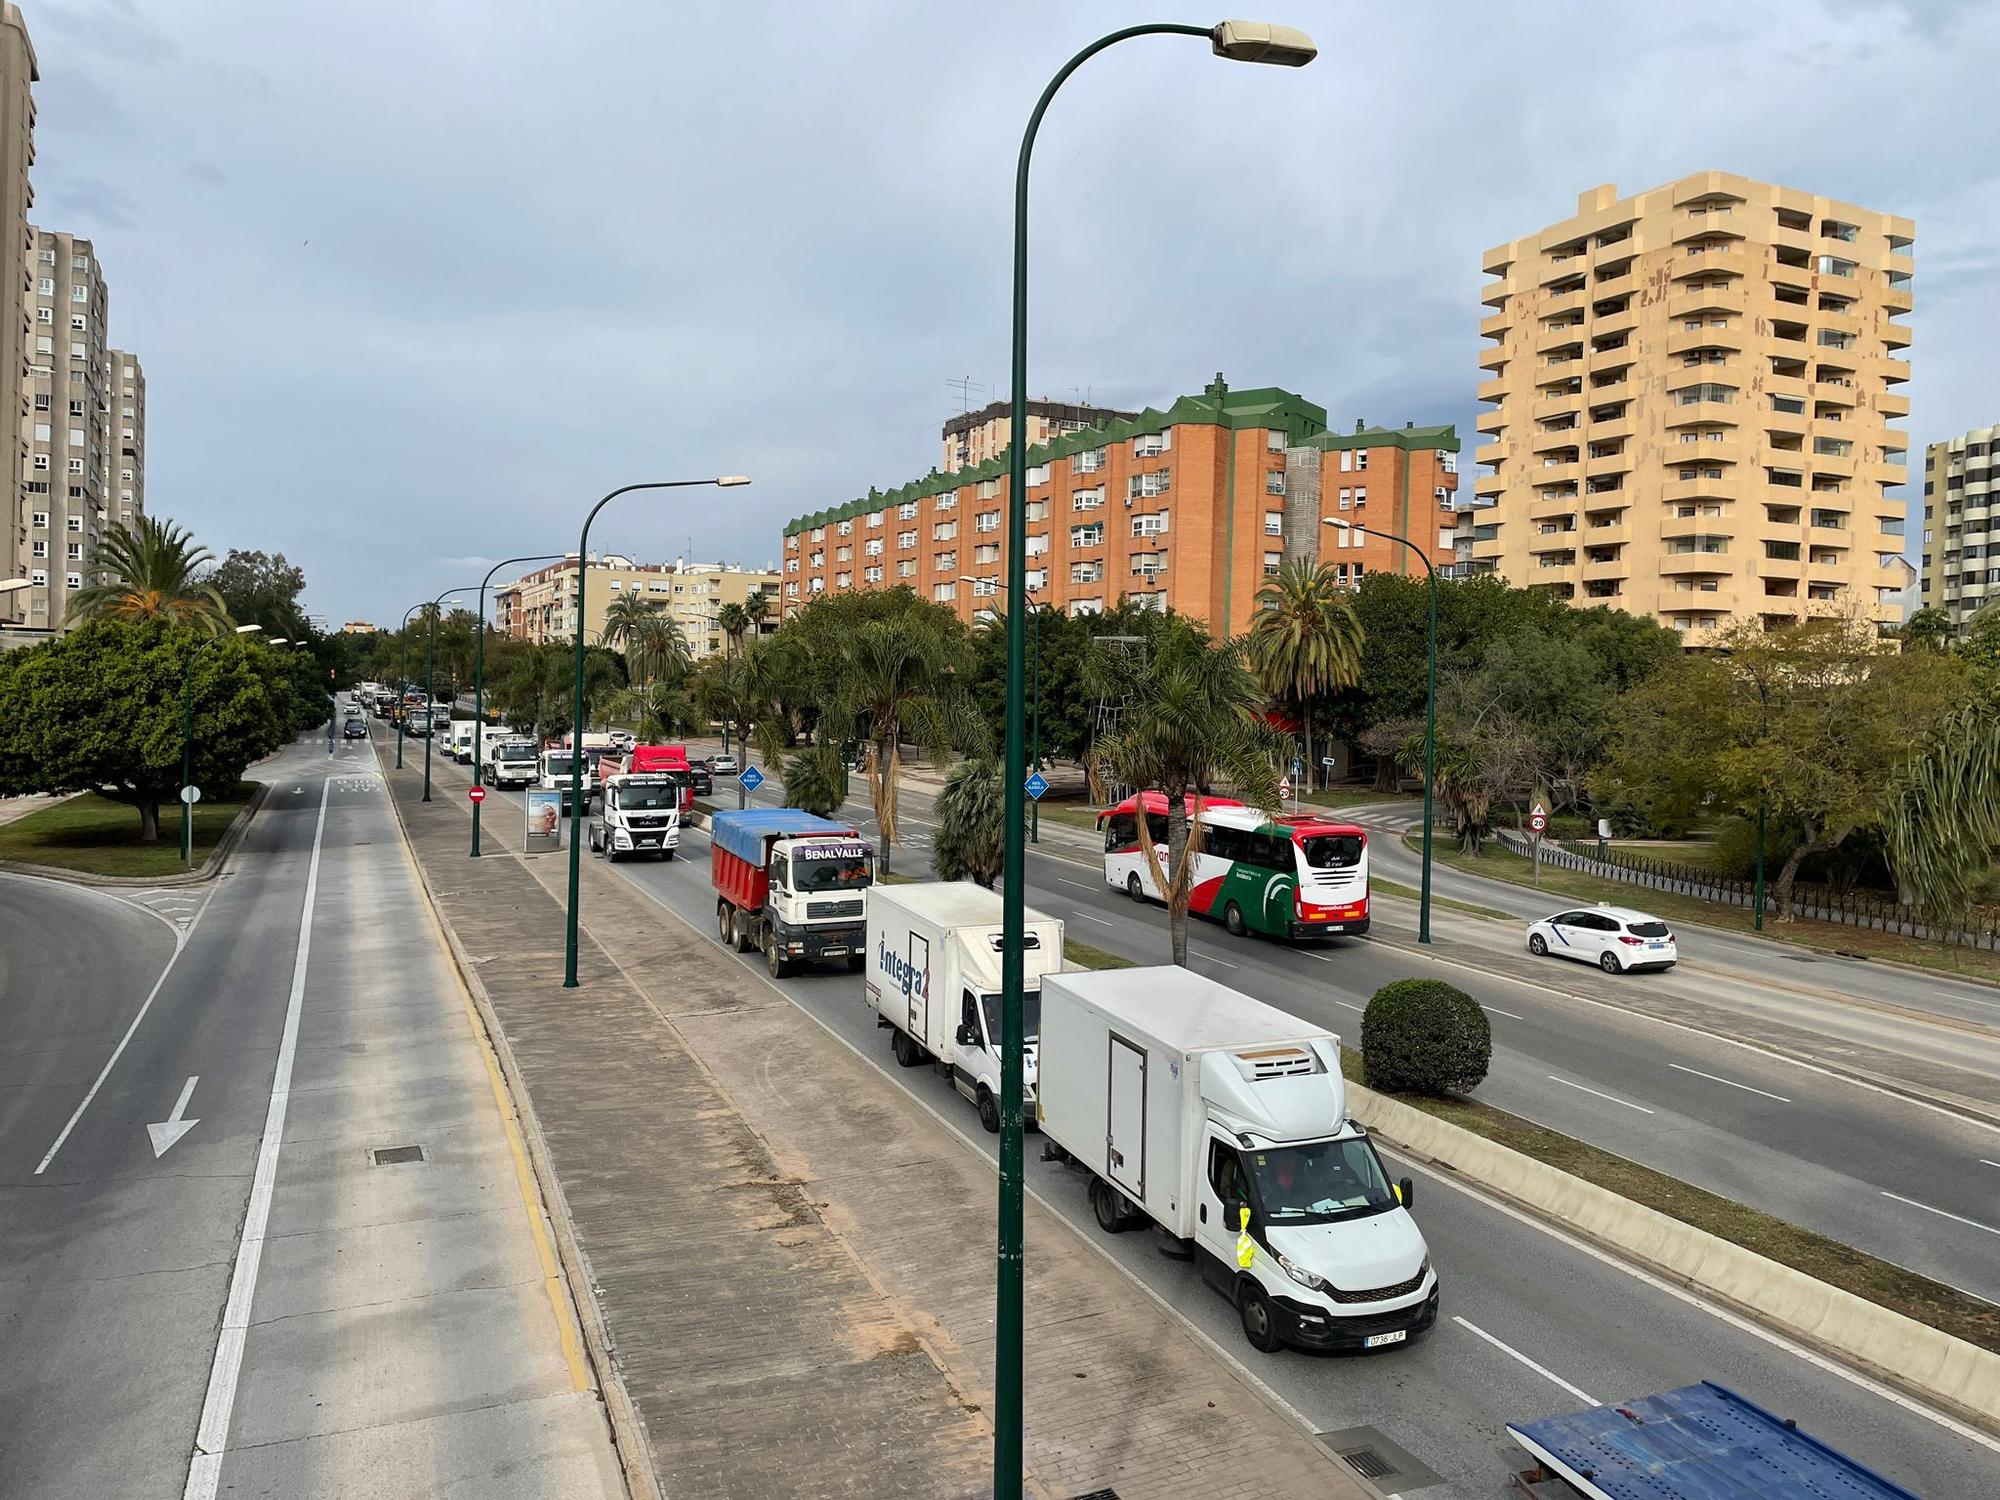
{"x": 621, "y": 839}
{"x": 1301, "y": 1275}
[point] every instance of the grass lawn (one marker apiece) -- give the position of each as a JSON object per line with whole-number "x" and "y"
{"x": 1071, "y": 814}
{"x": 95, "y": 836}
{"x": 1826, "y": 936}
{"x": 1827, "y": 1260}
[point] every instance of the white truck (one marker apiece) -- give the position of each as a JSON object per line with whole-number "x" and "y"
{"x": 458, "y": 741}
{"x": 1223, "y": 1121}
{"x": 506, "y": 761}
{"x": 934, "y": 981}
{"x": 637, "y": 814}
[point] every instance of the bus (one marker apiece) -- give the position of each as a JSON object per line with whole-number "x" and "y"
{"x": 1300, "y": 876}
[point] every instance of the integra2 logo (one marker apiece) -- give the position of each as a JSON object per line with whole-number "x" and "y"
{"x": 903, "y": 974}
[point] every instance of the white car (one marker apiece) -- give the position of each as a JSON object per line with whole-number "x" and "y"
{"x": 1615, "y": 938}
{"x": 722, "y": 765}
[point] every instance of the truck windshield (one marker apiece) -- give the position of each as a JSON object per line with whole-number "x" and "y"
{"x": 840, "y": 872}
{"x": 556, "y": 765}
{"x": 645, "y": 798}
{"x": 1331, "y": 851}
{"x": 515, "y": 752}
{"x": 1031, "y": 1017}
{"x": 1320, "y": 1182}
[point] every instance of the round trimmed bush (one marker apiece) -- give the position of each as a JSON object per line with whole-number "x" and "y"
{"x": 1423, "y": 1036}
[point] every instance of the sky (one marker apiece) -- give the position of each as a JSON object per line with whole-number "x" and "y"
{"x": 414, "y": 282}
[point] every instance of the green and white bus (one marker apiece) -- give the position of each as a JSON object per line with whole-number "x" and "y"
{"x": 1302, "y": 876}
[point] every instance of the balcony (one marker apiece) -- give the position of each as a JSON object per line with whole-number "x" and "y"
{"x": 1568, "y": 338}
{"x": 1704, "y": 413}
{"x": 1835, "y": 391}
{"x": 1687, "y": 564}
{"x": 1614, "y": 463}
{"x": 1844, "y": 323}
{"x": 1494, "y": 358}
{"x": 1612, "y": 324}
{"x": 1495, "y": 325}
{"x": 1780, "y": 568}
{"x": 1607, "y": 534}
{"x": 1546, "y": 407}
{"x": 1493, "y": 389}
{"x": 1725, "y": 488}
{"x": 1497, "y": 293}
{"x": 1548, "y": 473}
{"x": 1895, "y": 371}
{"x": 1595, "y": 571}
{"x": 1689, "y": 596}
{"x": 1898, "y": 299}
{"x": 1687, "y": 340}
{"x": 1491, "y": 454}
{"x": 1894, "y": 334}
{"x": 1489, "y": 485}
{"x": 1732, "y": 299}
{"x": 1552, "y": 507}
{"x": 1490, "y": 421}
{"x": 1563, "y": 302}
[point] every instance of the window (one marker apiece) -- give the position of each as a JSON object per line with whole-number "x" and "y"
{"x": 792, "y": 541}
{"x": 41, "y": 462}
{"x": 40, "y": 548}
{"x": 1271, "y": 561}
{"x": 841, "y": 554}
{"x": 945, "y": 562}
{"x": 79, "y": 322}
{"x": 845, "y": 581}
{"x": 1361, "y": 459}
{"x": 1274, "y": 482}
{"x": 942, "y": 592}
{"x": 1347, "y": 499}
{"x": 76, "y": 551}
{"x": 1833, "y": 265}
{"x": 1274, "y": 523}
{"x": 945, "y": 502}
{"x": 872, "y": 547}
{"x": 988, "y": 554}
{"x": 1346, "y": 460}
{"x": 819, "y": 533}
{"x": 79, "y": 293}
{"x": 1360, "y": 496}
{"x": 1088, "y": 499}
{"x": 944, "y": 531}
{"x": 76, "y": 408}
{"x": 1151, "y": 445}
{"x": 988, "y": 521}
{"x": 76, "y": 437}
{"x": 45, "y": 315}
{"x": 871, "y": 575}
{"x": 874, "y": 520}
{"x": 1039, "y": 474}
{"x": 1087, "y": 536}
{"x": 1037, "y": 510}
{"x": 791, "y": 565}
{"x": 1689, "y": 395}
{"x": 40, "y": 519}
{"x": 48, "y": 257}
{"x": 1146, "y": 486}
{"x": 1038, "y": 545}
{"x": 41, "y": 432}
{"x": 906, "y": 539}
{"x": 907, "y": 568}
{"x": 73, "y": 580}
{"x": 79, "y": 262}
{"x": 46, "y": 287}
{"x": 907, "y": 511}
{"x": 41, "y": 401}
{"x": 1274, "y": 441}
{"x": 1148, "y": 563}
{"x": 847, "y": 528}
{"x": 1081, "y": 607}
{"x": 1086, "y": 572}
{"x": 985, "y": 588}
{"x": 74, "y": 523}
{"x": 39, "y": 579}
{"x": 989, "y": 489}
{"x": 44, "y": 344}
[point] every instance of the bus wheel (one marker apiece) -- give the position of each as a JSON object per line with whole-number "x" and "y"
{"x": 1232, "y": 918}
{"x": 1133, "y": 888}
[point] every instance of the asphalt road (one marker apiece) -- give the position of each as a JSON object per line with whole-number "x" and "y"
{"x": 1513, "y": 1341}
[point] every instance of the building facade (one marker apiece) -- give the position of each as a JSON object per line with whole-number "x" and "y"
{"x": 973, "y": 437}
{"x": 128, "y": 403}
{"x": 697, "y": 593}
{"x": 17, "y": 252}
{"x": 1693, "y": 390}
{"x": 542, "y": 608}
{"x": 1961, "y": 556}
{"x": 1189, "y": 508}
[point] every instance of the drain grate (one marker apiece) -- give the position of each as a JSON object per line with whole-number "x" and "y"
{"x": 1097, "y": 1495}
{"x": 394, "y": 1156}
{"x": 1368, "y": 1463}
{"x": 1376, "y": 1457}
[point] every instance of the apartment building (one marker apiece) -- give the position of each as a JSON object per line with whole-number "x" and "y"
{"x": 1189, "y": 508}
{"x": 17, "y": 153}
{"x": 541, "y": 606}
{"x": 1961, "y": 556}
{"x": 1693, "y": 390}
{"x": 973, "y": 437}
{"x": 697, "y": 593}
{"x": 67, "y": 424}
{"x": 128, "y": 410}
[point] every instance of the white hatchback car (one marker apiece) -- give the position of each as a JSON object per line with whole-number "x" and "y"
{"x": 1614, "y": 938}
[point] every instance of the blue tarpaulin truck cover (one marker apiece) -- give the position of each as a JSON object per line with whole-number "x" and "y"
{"x": 744, "y": 833}
{"x": 1701, "y": 1442}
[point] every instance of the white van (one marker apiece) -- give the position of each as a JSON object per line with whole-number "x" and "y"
{"x": 934, "y": 981}
{"x": 1223, "y": 1121}
{"x": 460, "y": 741}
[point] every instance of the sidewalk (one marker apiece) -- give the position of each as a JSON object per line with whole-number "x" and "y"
{"x": 792, "y": 1260}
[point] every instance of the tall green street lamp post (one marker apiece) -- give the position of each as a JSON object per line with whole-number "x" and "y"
{"x": 726, "y": 481}
{"x": 1242, "y": 41}
{"x": 1035, "y": 695}
{"x": 1430, "y": 709}
{"x": 479, "y": 675}
{"x": 403, "y": 681}
{"x": 187, "y": 741}
{"x": 430, "y": 682}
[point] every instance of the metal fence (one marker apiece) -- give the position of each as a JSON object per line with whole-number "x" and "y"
{"x": 1817, "y": 903}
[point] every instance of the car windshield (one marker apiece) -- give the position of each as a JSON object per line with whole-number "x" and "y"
{"x": 1649, "y": 929}
{"x": 1320, "y": 1182}
{"x": 1331, "y": 851}
{"x": 645, "y": 798}
{"x": 844, "y": 871}
{"x": 1031, "y": 1016}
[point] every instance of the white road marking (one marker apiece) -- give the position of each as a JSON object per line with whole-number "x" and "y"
{"x": 1969, "y": 1223}
{"x": 1542, "y": 1370}
{"x": 1985, "y": 1163}
{"x": 1080, "y": 885}
{"x": 1697, "y": 1072}
{"x": 176, "y": 1125}
{"x": 1499, "y": 1012}
{"x": 1208, "y": 958}
{"x": 1612, "y": 1097}
{"x": 211, "y": 1436}
{"x": 1348, "y": 1004}
{"x": 1100, "y": 921}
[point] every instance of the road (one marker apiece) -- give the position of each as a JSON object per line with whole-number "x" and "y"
{"x": 187, "y": 1149}
{"x": 1516, "y": 1285}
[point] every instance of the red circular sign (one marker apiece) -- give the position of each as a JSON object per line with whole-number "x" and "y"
{"x": 477, "y": 793}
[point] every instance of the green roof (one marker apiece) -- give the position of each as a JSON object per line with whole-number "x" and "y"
{"x": 1303, "y": 423}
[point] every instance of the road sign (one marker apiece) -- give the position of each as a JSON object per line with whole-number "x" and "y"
{"x": 190, "y": 795}
{"x": 477, "y": 794}
{"x": 1298, "y": 768}
{"x": 1036, "y": 784}
{"x": 1538, "y": 818}
{"x": 1285, "y": 789}
{"x": 752, "y": 778}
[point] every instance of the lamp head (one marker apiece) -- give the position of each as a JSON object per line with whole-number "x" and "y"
{"x": 1262, "y": 42}
{"x": 730, "y": 481}
{"x": 1344, "y": 525}
{"x": 249, "y": 629}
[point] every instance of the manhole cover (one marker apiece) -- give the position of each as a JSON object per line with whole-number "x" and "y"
{"x": 393, "y": 1156}
{"x": 1375, "y": 1456}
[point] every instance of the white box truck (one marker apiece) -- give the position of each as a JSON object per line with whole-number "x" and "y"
{"x": 460, "y": 741}
{"x": 934, "y": 981}
{"x": 1223, "y": 1120}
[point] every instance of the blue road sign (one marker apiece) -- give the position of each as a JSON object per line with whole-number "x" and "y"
{"x": 1296, "y": 768}
{"x": 752, "y": 778}
{"x": 1036, "y": 785}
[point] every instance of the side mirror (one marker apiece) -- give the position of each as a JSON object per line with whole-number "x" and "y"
{"x": 1406, "y": 1191}
{"x": 968, "y": 1036}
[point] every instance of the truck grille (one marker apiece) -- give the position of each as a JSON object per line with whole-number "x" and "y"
{"x": 1380, "y": 1294}
{"x": 654, "y": 822}
{"x": 850, "y": 907}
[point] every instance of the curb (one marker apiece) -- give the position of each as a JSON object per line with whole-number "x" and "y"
{"x": 211, "y": 866}
{"x": 628, "y": 1434}
{"x": 1959, "y": 1377}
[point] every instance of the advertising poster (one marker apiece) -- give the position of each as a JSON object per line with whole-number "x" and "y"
{"x": 544, "y": 821}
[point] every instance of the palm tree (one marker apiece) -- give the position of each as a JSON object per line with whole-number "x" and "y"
{"x": 756, "y": 610}
{"x": 1306, "y": 641}
{"x": 156, "y": 567}
{"x": 816, "y": 779}
{"x": 971, "y": 816}
{"x": 1943, "y": 816}
{"x": 1191, "y": 719}
{"x": 624, "y": 617}
{"x": 657, "y": 651}
{"x": 660, "y": 710}
{"x": 733, "y": 621}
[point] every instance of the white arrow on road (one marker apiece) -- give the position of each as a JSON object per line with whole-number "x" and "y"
{"x": 173, "y": 1127}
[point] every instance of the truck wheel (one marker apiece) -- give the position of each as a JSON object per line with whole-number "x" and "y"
{"x": 774, "y": 960}
{"x": 1133, "y": 888}
{"x": 989, "y": 1110}
{"x": 1106, "y": 1203}
{"x": 723, "y": 929}
{"x": 1232, "y": 918}
{"x": 746, "y": 937}
{"x": 856, "y": 962}
{"x": 908, "y": 1053}
{"x": 1260, "y": 1325}
{"x": 666, "y": 854}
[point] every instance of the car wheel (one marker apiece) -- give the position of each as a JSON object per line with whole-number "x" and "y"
{"x": 908, "y": 1053}
{"x": 774, "y": 961}
{"x": 1608, "y": 962}
{"x": 1232, "y": 918}
{"x": 989, "y": 1110}
{"x": 1260, "y": 1325}
{"x": 1538, "y": 945}
{"x": 1133, "y": 888}
{"x": 1106, "y": 1206}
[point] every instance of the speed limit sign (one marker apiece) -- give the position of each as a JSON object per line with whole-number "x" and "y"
{"x": 1538, "y": 818}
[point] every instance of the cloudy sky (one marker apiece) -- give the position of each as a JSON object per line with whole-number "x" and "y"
{"x": 414, "y": 281}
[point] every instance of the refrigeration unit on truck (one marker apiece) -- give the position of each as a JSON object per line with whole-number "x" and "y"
{"x": 791, "y": 885}
{"x": 507, "y": 762}
{"x": 934, "y": 981}
{"x": 1223, "y": 1121}
{"x": 637, "y": 815}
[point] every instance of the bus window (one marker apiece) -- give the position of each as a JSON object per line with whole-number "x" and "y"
{"x": 1231, "y": 844}
{"x": 1269, "y": 851}
{"x": 1331, "y": 851}
{"x": 1121, "y": 832}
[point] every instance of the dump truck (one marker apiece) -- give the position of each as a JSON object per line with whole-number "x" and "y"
{"x": 791, "y": 885}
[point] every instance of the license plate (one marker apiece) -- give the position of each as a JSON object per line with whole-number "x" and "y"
{"x": 836, "y": 953}
{"x": 1661, "y": 946}
{"x": 1377, "y": 1340}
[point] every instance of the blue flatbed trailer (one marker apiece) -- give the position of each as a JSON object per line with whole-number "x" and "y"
{"x": 1701, "y": 1442}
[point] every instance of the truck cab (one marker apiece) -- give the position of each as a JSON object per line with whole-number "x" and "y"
{"x": 507, "y": 762}
{"x": 792, "y": 885}
{"x": 552, "y": 774}
{"x": 460, "y": 741}
{"x": 637, "y": 814}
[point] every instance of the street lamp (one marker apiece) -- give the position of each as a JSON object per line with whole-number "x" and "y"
{"x": 726, "y": 481}
{"x": 1035, "y": 690}
{"x": 430, "y": 681}
{"x": 479, "y": 674}
{"x": 403, "y": 679}
{"x": 1430, "y": 708}
{"x": 1241, "y": 41}
{"x": 187, "y": 736}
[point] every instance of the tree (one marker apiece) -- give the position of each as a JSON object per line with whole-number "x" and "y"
{"x": 733, "y": 622}
{"x": 1306, "y": 640}
{"x": 533, "y": 693}
{"x": 1192, "y": 718}
{"x": 100, "y": 709}
{"x": 1813, "y": 722}
{"x": 971, "y": 817}
{"x": 1549, "y": 700}
{"x": 1423, "y": 1036}
{"x": 1942, "y": 822}
{"x": 260, "y": 588}
{"x": 623, "y": 618}
{"x": 816, "y": 781}
{"x": 1385, "y": 741}
{"x": 756, "y": 610}
{"x": 1929, "y": 629}
{"x": 659, "y": 710}
{"x": 154, "y": 569}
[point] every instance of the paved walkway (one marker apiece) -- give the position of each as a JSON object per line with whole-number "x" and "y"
{"x": 792, "y": 1260}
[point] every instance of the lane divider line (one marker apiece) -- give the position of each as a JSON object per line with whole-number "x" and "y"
{"x": 211, "y": 1439}
{"x": 1612, "y": 1097}
{"x": 1732, "y": 1083}
{"x": 1970, "y": 1223}
{"x": 1542, "y": 1370}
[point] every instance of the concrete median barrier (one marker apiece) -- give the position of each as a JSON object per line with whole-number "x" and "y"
{"x": 1899, "y": 1350}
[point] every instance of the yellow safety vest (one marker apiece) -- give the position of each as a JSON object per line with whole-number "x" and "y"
{"x": 1246, "y": 1248}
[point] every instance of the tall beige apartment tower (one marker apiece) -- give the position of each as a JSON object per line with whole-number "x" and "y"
{"x": 17, "y": 154}
{"x": 1961, "y": 572}
{"x": 1692, "y": 391}
{"x": 67, "y": 424}
{"x": 127, "y": 381}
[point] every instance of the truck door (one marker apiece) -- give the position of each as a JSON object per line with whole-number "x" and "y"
{"x": 919, "y": 991}
{"x": 1125, "y": 1119}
